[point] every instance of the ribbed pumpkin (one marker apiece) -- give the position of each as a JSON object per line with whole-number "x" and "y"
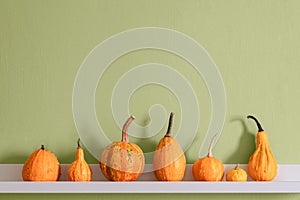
{"x": 122, "y": 161}
{"x": 42, "y": 165}
{"x": 79, "y": 170}
{"x": 236, "y": 174}
{"x": 169, "y": 162}
{"x": 208, "y": 168}
{"x": 262, "y": 165}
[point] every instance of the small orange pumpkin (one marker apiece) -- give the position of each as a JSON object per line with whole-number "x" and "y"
{"x": 236, "y": 174}
{"x": 262, "y": 165}
{"x": 79, "y": 170}
{"x": 122, "y": 161}
{"x": 169, "y": 162}
{"x": 42, "y": 165}
{"x": 208, "y": 168}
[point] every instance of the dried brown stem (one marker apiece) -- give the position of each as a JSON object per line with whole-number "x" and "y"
{"x": 125, "y": 128}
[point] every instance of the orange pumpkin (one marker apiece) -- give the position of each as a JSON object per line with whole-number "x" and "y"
{"x": 169, "y": 162}
{"x": 236, "y": 174}
{"x": 42, "y": 165}
{"x": 122, "y": 161}
{"x": 208, "y": 168}
{"x": 262, "y": 165}
{"x": 79, "y": 170}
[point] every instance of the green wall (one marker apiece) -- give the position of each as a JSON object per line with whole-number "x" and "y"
{"x": 255, "y": 44}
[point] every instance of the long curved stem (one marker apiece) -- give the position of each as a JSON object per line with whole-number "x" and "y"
{"x": 125, "y": 128}
{"x": 211, "y": 146}
{"x": 260, "y": 129}
{"x": 168, "y": 134}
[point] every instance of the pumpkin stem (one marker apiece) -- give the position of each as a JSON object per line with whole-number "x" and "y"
{"x": 260, "y": 129}
{"x": 211, "y": 146}
{"x": 236, "y": 167}
{"x": 168, "y": 134}
{"x": 42, "y": 147}
{"x": 125, "y": 128}
{"x": 78, "y": 143}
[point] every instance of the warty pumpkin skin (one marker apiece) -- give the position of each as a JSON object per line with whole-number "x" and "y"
{"x": 208, "y": 168}
{"x": 79, "y": 170}
{"x": 169, "y": 161}
{"x": 262, "y": 165}
{"x": 236, "y": 174}
{"x": 122, "y": 161}
{"x": 42, "y": 165}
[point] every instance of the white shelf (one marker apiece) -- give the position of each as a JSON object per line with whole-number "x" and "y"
{"x": 287, "y": 181}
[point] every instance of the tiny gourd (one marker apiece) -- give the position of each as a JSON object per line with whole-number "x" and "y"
{"x": 236, "y": 174}
{"x": 41, "y": 165}
{"x": 79, "y": 170}
{"x": 208, "y": 168}
{"x": 262, "y": 165}
{"x": 169, "y": 161}
{"x": 122, "y": 161}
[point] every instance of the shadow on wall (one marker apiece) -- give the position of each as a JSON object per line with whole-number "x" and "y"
{"x": 63, "y": 158}
{"x": 21, "y": 158}
{"x": 147, "y": 146}
{"x": 246, "y": 143}
{"x": 14, "y": 159}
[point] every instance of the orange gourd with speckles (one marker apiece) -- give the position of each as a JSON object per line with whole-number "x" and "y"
{"x": 169, "y": 162}
{"x": 42, "y": 165}
{"x": 122, "y": 161}
{"x": 262, "y": 165}
{"x": 208, "y": 168}
{"x": 79, "y": 170}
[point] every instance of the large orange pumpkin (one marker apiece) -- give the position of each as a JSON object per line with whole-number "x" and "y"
{"x": 208, "y": 168}
{"x": 42, "y": 165}
{"x": 122, "y": 161}
{"x": 169, "y": 162}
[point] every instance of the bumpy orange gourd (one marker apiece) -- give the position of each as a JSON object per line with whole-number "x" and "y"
{"x": 208, "y": 168}
{"x": 262, "y": 165}
{"x": 42, "y": 165}
{"x": 122, "y": 161}
{"x": 236, "y": 174}
{"x": 169, "y": 161}
{"x": 79, "y": 170}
